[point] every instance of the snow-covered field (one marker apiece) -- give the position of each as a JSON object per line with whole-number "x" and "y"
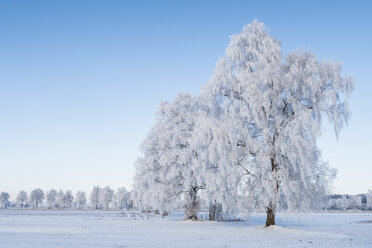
{"x": 73, "y": 228}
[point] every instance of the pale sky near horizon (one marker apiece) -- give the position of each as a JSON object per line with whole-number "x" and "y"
{"x": 80, "y": 81}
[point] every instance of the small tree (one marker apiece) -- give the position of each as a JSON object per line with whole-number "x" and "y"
{"x": 122, "y": 198}
{"x": 51, "y": 197}
{"x": 68, "y": 199}
{"x": 106, "y": 195}
{"x": 4, "y": 197}
{"x": 81, "y": 199}
{"x": 60, "y": 199}
{"x": 369, "y": 199}
{"x": 95, "y": 197}
{"x": 22, "y": 198}
{"x": 36, "y": 197}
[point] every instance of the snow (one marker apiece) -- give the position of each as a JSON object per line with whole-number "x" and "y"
{"x": 87, "y": 228}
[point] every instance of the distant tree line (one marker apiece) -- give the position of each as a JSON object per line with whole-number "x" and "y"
{"x": 106, "y": 198}
{"x": 348, "y": 202}
{"x": 99, "y": 198}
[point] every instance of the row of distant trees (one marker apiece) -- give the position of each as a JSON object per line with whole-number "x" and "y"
{"x": 105, "y": 197}
{"x": 346, "y": 202}
{"x": 100, "y": 197}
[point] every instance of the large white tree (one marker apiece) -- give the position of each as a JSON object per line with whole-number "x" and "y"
{"x": 36, "y": 197}
{"x": 22, "y": 198}
{"x": 167, "y": 170}
{"x": 279, "y": 106}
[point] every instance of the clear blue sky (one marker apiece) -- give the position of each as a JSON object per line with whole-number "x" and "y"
{"x": 80, "y": 81}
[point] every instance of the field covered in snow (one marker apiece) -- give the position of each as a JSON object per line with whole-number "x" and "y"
{"x": 73, "y": 228}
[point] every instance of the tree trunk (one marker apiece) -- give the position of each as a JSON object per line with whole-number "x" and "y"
{"x": 212, "y": 211}
{"x": 270, "y": 212}
{"x": 192, "y": 204}
{"x": 193, "y": 217}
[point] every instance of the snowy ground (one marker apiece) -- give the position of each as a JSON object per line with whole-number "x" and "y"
{"x": 52, "y": 228}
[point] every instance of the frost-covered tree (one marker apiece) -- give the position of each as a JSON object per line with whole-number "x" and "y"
{"x": 81, "y": 199}
{"x": 279, "y": 106}
{"x": 36, "y": 197}
{"x": 95, "y": 197}
{"x": 333, "y": 204}
{"x": 167, "y": 169}
{"x": 218, "y": 159}
{"x": 106, "y": 195}
{"x": 68, "y": 199}
{"x": 346, "y": 202}
{"x": 64, "y": 199}
{"x": 122, "y": 198}
{"x": 341, "y": 203}
{"x": 60, "y": 199}
{"x": 369, "y": 199}
{"x": 51, "y": 197}
{"x": 22, "y": 198}
{"x": 356, "y": 202}
{"x": 4, "y": 197}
